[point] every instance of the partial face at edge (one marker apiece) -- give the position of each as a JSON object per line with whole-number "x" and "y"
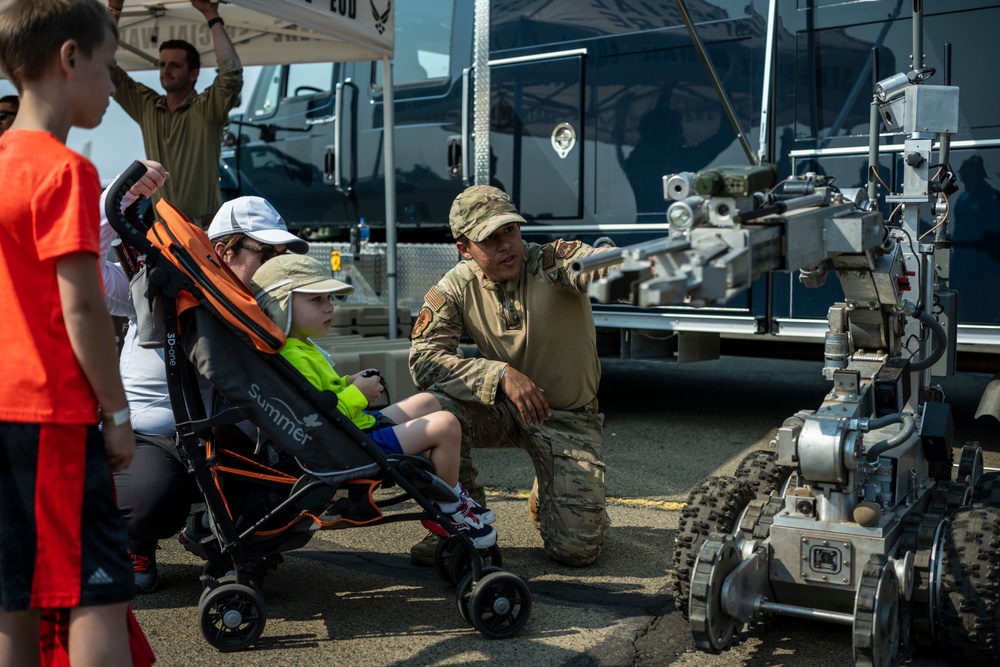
{"x": 9, "y": 113}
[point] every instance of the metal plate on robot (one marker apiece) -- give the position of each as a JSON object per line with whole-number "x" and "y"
{"x": 826, "y": 560}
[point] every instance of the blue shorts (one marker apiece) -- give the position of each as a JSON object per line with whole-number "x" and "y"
{"x": 386, "y": 440}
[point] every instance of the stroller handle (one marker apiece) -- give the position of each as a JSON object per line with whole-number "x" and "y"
{"x": 127, "y": 222}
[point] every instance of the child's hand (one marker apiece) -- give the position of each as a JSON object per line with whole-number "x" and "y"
{"x": 370, "y": 384}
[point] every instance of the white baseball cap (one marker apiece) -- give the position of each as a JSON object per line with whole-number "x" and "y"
{"x": 255, "y": 217}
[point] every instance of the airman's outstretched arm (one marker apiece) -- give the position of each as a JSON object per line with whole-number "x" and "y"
{"x": 224, "y": 49}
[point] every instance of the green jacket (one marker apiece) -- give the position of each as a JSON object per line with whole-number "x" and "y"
{"x": 315, "y": 367}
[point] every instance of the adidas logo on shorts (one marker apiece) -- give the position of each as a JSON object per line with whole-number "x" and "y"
{"x": 100, "y": 577}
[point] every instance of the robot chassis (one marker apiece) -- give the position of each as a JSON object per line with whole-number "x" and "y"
{"x": 856, "y": 518}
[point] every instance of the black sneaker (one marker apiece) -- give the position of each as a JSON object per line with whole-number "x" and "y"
{"x": 143, "y": 556}
{"x": 192, "y": 535}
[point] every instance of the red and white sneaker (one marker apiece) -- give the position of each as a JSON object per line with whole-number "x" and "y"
{"x": 466, "y": 523}
{"x": 484, "y": 514}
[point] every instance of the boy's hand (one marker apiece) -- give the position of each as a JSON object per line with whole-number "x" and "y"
{"x": 119, "y": 445}
{"x": 369, "y": 385}
{"x": 526, "y": 395}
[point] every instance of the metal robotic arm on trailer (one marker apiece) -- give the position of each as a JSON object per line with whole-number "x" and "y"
{"x": 728, "y": 229}
{"x": 846, "y": 541}
{"x": 730, "y": 226}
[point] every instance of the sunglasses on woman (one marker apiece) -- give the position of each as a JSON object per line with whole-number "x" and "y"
{"x": 267, "y": 252}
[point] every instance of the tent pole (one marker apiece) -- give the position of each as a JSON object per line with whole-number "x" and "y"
{"x": 388, "y": 125}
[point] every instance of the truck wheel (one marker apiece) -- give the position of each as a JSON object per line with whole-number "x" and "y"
{"x": 715, "y": 505}
{"x": 969, "y": 607}
{"x": 761, "y": 470}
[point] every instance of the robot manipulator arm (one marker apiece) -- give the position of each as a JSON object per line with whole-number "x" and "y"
{"x": 697, "y": 270}
{"x": 727, "y": 228}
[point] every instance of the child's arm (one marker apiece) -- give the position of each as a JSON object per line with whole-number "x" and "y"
{"x": 91, "y": 334}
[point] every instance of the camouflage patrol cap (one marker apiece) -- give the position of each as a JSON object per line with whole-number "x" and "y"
{"x": 480, "y": 211}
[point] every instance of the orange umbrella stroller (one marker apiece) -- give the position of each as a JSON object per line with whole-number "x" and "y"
{"x": 327, "y": 470}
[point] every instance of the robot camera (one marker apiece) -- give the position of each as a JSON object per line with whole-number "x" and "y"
{"x": 889, "y": 89}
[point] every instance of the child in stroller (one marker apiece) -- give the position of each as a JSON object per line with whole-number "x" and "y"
{"x": 296, "y": 292}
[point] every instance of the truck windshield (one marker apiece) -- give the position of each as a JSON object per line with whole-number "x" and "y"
{"x": 423, "y": 42}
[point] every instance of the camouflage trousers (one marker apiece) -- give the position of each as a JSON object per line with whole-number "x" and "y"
{"x": 569, "y": 470}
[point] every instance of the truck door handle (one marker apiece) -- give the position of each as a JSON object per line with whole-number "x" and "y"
{"x": 328, "y": 160}
{"x": 338, "y": 124}
{"x": 455, "y": 161}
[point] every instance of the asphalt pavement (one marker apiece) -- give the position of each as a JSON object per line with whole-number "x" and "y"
{"x": 351, "y": 597}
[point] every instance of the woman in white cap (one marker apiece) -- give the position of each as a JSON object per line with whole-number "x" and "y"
{"x": 155, "y": 493}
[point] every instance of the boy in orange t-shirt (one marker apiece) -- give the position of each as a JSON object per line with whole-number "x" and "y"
{"x": 62, "y": 539}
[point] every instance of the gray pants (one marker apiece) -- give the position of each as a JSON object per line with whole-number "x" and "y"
{"x": 155, "y": 493}
{"x": 569, "y": 470}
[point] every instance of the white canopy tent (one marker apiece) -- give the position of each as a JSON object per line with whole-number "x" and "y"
{"x": 264, "y": 31}
{"x": 271, "y": 32}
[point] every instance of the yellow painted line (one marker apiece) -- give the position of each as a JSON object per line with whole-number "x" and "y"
{"x": 667, "y": 505}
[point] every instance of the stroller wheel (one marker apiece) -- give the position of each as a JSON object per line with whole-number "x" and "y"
{"x": 232, "y": 616}
{"x": 499, "y": 605}
{"x": 465, "y": 591}
{"x": 460, "y": 562}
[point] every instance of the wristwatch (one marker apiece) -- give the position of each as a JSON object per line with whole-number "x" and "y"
{"x": 119, "y": 418}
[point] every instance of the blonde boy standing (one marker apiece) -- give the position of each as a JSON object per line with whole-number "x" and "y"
{"x": 62, "y": 540}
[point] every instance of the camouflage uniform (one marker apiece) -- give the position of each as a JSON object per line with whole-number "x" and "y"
{"x": 542, "y": 325}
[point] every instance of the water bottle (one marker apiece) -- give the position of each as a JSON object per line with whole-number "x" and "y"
{"x": 364, "y": 233}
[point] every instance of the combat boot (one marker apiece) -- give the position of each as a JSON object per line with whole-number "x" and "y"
{"x": 422, "y": 553}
